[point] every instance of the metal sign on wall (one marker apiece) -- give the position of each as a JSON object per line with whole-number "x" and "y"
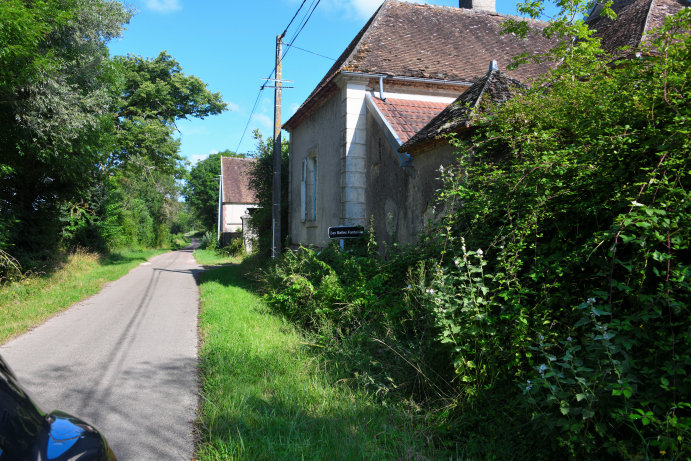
{"x": 346, "y": 232}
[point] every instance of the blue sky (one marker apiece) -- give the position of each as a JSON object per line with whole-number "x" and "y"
{"x": 230, "y": 45}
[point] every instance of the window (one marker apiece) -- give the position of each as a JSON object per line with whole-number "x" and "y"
{"x": 308, "y": 185}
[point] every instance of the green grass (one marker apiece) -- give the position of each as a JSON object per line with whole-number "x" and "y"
{"x": 267, "y": 396}
{"x": 29, "y": 302}
{"x": 211, "y": 258}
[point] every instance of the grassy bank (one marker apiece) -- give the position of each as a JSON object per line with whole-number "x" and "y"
{"x": 213, "y": 258}
{"x": 267, "y": 396}
{"x": 29, "y": 302}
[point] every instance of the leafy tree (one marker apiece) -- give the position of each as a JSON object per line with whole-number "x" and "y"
{"x": 201, "y": 190}
{"x": 55, "y": 89}
{"x": 261, "y": 182}
{"x": 155, "y": 94}
{"x": 230, "y": 153}
{"x": 72, "y": 119}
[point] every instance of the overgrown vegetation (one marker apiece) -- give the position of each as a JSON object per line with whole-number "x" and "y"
{"x": 265, "y": 397}
{"x": 550, "y": 302}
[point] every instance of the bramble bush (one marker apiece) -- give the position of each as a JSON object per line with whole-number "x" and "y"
{"x": 579, "y": 190}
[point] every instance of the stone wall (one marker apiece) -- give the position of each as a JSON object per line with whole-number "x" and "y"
{"x": 400, "y": 205}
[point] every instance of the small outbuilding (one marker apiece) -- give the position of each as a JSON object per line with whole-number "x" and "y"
{"x": 235, "y": 198}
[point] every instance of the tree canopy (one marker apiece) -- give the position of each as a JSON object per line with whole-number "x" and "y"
{"x": 72, "y": 120}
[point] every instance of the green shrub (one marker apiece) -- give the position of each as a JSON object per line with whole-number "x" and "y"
{"x": 235, "y": 248}
{"x": 208, "y": 241}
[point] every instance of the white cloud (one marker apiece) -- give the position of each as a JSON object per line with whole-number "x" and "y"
{"x": 264, "y": 120}
{"x": 365, "y": 8}
{"x": 354, "y": 9}
{"x": 233, "y": 107}
{"x": 213, "y": 151}
{"x": 294, "y": 107}
{"x": 163, "y": 6}
{"x": 196, "y": 158}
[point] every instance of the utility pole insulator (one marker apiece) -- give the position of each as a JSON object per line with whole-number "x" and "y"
{"x": 276, "y": 209}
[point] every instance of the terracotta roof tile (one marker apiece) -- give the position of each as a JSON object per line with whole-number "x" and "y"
{"x": 494, "y": 88}
{"x": 408, "y": 117}
{"x": 236, "y": 180}
{"x": 429, "y": 41}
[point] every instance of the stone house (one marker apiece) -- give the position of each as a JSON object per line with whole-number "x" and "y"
{"x": 369, "y": 141}
{"x": 235, "y": 197}
{"x": 405, "y": 66}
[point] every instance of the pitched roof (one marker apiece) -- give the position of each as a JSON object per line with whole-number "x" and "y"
{"x": 494, "y": 88}
{"x": 236, "y": 187}
{"x": 408, "y": 117}
{"x": 429, "y": 41}
{"x": 634, "y": 19}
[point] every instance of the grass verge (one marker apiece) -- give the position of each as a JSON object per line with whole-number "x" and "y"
{"x": 29, "y": 302}
{"x": 266, "y": 396}
{"x": 212, "y": 258}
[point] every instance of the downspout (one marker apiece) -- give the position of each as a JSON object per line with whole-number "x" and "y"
{"x": 381, "y": 88}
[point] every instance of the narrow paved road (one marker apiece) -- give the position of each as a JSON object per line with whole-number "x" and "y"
{"x": 124, "y": 360}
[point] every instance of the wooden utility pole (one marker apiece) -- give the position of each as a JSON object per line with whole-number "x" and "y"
{"x": 276, "y": 211}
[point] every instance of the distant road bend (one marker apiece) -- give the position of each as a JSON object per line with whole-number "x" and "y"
{"x": 124, "y": 360}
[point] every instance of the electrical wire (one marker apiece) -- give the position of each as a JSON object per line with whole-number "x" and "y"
{"x": 294, "y": 16}
{"x": 261, "y": 90}
{"x": 308, "y": 51}
{"x": 301, "y": 26}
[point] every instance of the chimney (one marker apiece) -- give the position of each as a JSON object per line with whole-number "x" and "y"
{"x": 478, "y": 5}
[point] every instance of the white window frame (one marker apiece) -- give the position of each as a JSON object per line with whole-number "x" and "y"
{"x": 308, "y": 192}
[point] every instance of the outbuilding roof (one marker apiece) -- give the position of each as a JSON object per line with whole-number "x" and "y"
{"x": 236, "y": 187}
{"x": 408, "y": 117}
{"x": 493, "y": 89}
{"x": 428, "y": 41}
{"x": 635, "y": 18}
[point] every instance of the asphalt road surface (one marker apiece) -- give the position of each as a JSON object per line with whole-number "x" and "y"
{"x": 124, "y": 360}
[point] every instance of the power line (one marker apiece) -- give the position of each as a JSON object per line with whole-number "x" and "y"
{"x": 308, "y": 51}
{"x": 301, "y": 26}
{"x": 294, "y": 16}
{"x": 305, "y": 23}
{"x": 261, "y": 90}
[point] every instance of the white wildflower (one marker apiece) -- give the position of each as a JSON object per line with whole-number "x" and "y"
{"x": 569, "y": 339}
{"x": 457, "y": 262}
{"x": 479, "y": 251}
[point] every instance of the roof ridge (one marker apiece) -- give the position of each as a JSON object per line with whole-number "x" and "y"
{"x": 487, "y": 78}
{"x": 238, "y": 158}
{"x": 647, "y": 21}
